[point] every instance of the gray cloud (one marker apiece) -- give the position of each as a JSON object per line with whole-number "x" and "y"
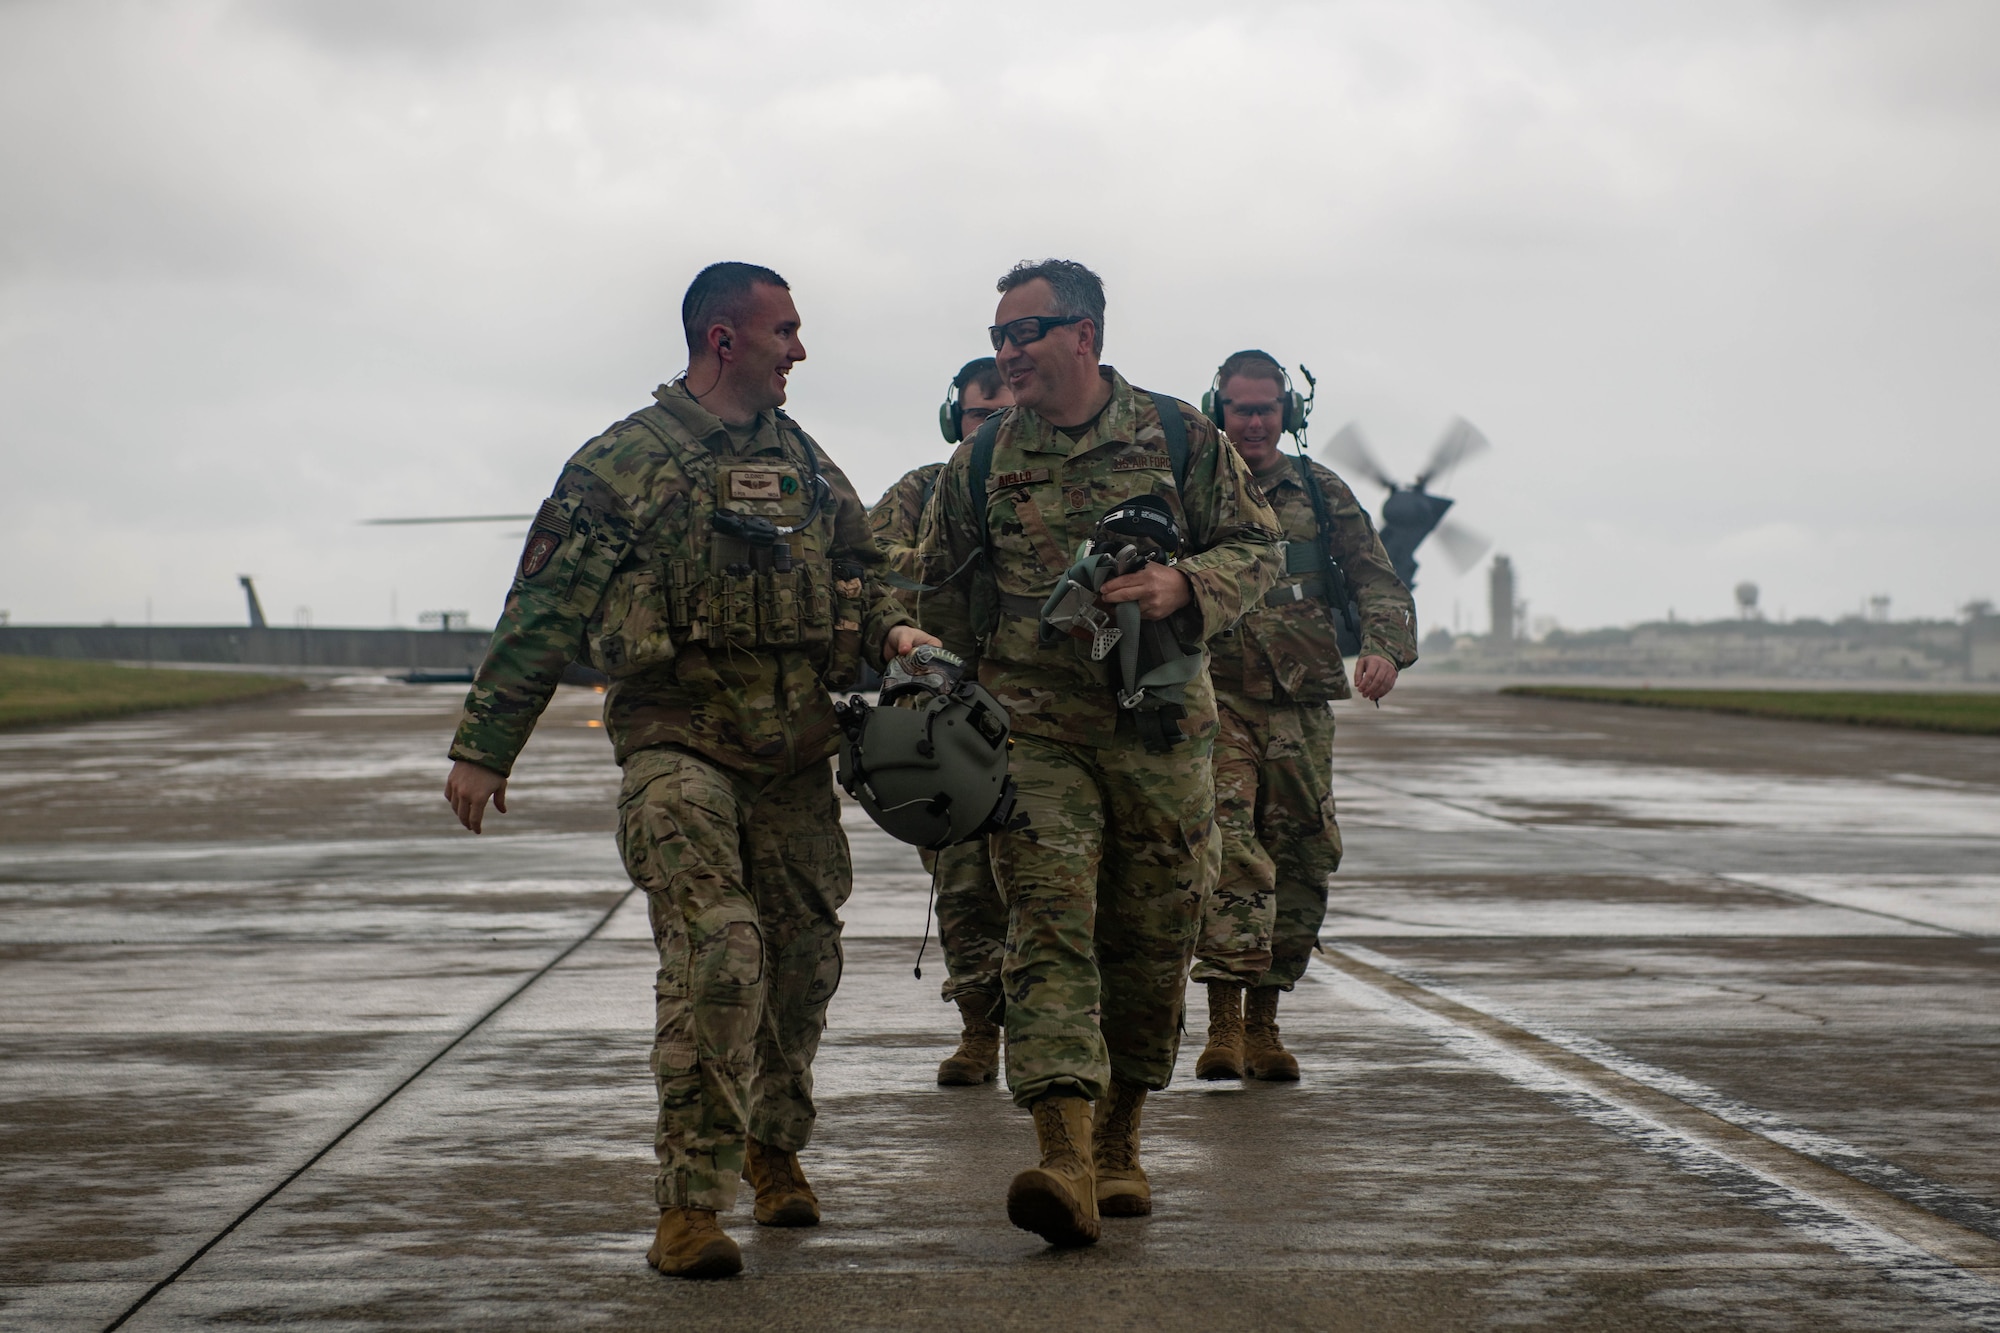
{"x": 1717, "y": 280}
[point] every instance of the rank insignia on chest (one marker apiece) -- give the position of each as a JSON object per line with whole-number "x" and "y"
{"x": 760, "y": 484}
{"x": 541, "y": 545}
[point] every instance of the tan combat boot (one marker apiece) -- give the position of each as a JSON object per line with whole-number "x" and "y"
{"x": 977, "y": 1058}
{"x": 1122, "y": 1189}
{"x": 1264, "y": 1056}
{"x": 1058, "y": 1199}
{"x": 690, "y": 1243}
{"x": 1223, "y": 1056}
{"x": 783, "y": 1197}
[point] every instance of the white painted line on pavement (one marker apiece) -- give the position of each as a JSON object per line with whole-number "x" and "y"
{"x": 1810, "y": 1211}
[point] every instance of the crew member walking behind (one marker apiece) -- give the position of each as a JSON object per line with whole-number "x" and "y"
{"x": 971, "y": 920}
{"x": 709, "y": 558}
{"x": 1276, "y": 674}
{"x": 1105, "y": 870}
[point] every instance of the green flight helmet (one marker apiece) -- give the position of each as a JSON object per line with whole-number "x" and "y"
{"x": 928, "y": 761}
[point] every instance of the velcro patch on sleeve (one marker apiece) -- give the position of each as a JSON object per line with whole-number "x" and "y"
{"x": 551, "y": 525}
{"x": 1027, "y": 476}
{"x": 550, "y": 518}
{"x": 535, "y": 557}
{"x": 1130, "y": 462}
{"x": 757, "y": 484}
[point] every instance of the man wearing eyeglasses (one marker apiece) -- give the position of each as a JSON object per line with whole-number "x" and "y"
{"x": 1276, "y": 675}
{"x": 971, "y": 920}
{"x": 1106, "y": 865}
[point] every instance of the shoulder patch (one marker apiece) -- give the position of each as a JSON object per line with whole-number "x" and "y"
{"x": 1026, "y": 476}
{"x": 551, "y": 525}
{"x": 535, "y": 558}
{"x": 550, "y": 518}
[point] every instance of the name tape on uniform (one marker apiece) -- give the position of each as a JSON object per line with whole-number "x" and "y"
{"x": 1026, "y": 476}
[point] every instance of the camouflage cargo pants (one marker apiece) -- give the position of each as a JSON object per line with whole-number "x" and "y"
{"x": 971, "y": 919}
{"x": 1104, "y": 888}
{"x": 1280, "y": 842}
{"x": 744, "y": 879}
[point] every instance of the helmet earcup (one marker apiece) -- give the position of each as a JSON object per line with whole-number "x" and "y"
{"x": 934, "y": 775}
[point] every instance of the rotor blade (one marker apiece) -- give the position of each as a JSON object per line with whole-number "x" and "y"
{"x": 1461, "y": 440}
{"x": 1348, "y": 452}
{"x": 1462, "y": 545}
{"x": 453, "y": 518}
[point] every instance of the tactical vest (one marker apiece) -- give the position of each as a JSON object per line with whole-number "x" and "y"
{"x": 734, "y": 584}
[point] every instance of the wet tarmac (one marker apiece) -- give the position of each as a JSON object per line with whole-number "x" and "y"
{"x": 1626, "y": 1020}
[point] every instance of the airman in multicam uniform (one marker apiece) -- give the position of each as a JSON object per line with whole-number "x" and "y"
{"x": 710, "y": 559}
{"x": 971, "y": 919}
{"x": 1112, "y": 852}
{"x": 1276, "y": 673}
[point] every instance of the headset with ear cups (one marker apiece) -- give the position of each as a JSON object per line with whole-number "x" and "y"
{"x": 951, "y": 412}
{"x": 1297, "y": 406}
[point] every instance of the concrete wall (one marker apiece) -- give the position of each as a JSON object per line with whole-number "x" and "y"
{"x": 231, "y": 645}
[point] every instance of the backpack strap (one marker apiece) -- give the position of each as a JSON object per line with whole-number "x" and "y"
{"x": 1339, "y": 598}
{"x": 1175, "y": 427}
{"x": 979, "y": 466}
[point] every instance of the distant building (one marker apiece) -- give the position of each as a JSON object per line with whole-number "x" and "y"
{"x": 1500, "y": 599}
{"x": 1982, "y": 643}
{"x": 1854, "y": 648}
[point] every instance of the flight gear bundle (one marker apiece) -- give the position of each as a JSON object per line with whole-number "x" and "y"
{"x": 933, "y": 774}
{"x": 1153, "y": 667}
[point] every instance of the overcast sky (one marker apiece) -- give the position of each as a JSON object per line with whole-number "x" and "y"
{"x": 1720, "y": 280}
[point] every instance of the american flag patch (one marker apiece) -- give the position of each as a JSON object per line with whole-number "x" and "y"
{"x": 550, "y": 518}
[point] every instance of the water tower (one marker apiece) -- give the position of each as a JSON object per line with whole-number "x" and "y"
{"x": 1500, "y": 598}
{"x": 1746, "y": 601}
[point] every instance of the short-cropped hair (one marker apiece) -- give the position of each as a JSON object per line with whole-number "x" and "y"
{"x": 1077, "y": 290}
{"x": 721, "y": 290}
{"x": 983, "y": 371}
{"x": 1253, "y": 363}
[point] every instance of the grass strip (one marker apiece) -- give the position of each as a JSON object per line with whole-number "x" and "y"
{"x": 1972, "y": 714}
{"x": 38, "y": 690}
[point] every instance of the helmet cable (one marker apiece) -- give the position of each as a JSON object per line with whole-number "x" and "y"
{"x": 929, "y": 903}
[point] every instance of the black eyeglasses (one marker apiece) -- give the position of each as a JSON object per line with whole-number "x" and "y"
{"x": 1031, "y": 329}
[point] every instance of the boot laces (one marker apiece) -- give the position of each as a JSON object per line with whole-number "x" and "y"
{"x": 1060, "y": 1141}
{"x": 778, "y": 1170}
{"x": 1115, "y": 1145}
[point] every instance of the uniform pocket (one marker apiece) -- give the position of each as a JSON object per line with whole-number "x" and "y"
{"x": 631, "y": 634}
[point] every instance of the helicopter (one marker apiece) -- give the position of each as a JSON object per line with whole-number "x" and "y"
{"x": 1411, "y": 513}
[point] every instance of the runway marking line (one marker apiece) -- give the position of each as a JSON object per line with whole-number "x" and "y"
{"x": 368, "y": 1114}
{"x": 1732, "y": 881}
{"x": 1949, "y": 1261}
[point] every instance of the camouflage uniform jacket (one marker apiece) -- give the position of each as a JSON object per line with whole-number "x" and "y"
{"x": 1044, "y": 496}
{"x": 706, "y": 653}
{"x": 1286, "y": 652}
{"x": 895, "y": 519}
